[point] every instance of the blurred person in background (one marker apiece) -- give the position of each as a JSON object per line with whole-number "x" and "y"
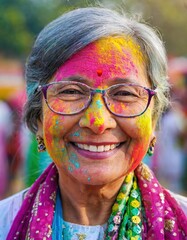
{"x": 12, "y": 96}
{"x": 171, "y": 157}
{"x": 12, "y": 142}
{"x": 5, "y": 133}
{"x": 97, "y": 85}
{"x": 18, "y": 148}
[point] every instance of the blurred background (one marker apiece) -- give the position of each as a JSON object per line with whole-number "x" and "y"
{"x": 21, "y": 21}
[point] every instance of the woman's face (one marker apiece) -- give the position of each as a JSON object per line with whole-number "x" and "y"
{"x": 95, "y": 147}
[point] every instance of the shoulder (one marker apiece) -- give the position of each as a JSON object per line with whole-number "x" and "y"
{"x": 182, "y": 201}
{"x": 8, "y": 210}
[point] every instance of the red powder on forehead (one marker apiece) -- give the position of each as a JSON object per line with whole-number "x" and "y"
{"x": 99, "y": 72}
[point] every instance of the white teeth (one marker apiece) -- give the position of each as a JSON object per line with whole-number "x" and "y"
{"x": 100, "y": 148}
{"x": 93, "y": 148}
{"x": 112, "y": 146}
{"x": 81, "y": 146}
{"x": 86, "y": 147}
{"x": 107, "y": 148}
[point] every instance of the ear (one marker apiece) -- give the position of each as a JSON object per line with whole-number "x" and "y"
{"x": 40, "y": 128}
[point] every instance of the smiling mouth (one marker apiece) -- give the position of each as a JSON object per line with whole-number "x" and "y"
{"x": 94, "y": 148}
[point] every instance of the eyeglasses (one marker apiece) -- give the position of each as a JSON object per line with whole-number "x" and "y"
{"x": 123, "y": 100}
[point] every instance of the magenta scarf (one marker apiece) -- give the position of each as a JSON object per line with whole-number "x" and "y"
{"x": 164, "y": 217}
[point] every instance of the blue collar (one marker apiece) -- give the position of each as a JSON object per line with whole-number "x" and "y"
{"x": 58, "y": 219}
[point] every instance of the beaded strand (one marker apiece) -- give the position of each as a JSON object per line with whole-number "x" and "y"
{"x": 125, "y": 220}
{"x": 134, "y": 222}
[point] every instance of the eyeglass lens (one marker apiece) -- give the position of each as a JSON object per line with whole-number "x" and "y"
{"x": 121, "y": 99}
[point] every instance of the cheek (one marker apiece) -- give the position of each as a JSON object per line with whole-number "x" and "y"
{"x": 144, "y": 125}
{"x": 143, "y": 135}
{"x": 53, "y": 126}
{"x": 53, "y": 135}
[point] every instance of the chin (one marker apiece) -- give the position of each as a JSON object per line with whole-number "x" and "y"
{"x": 96, "y": 182}
{"x": 97, "y": 178}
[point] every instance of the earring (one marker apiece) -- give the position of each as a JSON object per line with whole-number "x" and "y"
{"x": 41, "y": 144}
{"x": 151, "y": 147}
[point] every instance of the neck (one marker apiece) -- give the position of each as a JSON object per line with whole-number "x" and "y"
{"x": 86, "y": 204}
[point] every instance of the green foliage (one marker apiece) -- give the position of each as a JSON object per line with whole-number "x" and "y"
{"x": 22, "y": 20}
{"x": 169, "y": 17}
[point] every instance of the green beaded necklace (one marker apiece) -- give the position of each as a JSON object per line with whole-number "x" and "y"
{"x": 125, "y": 220}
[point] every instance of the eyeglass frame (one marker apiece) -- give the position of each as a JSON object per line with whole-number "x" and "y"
{"x": 43, "y": 89}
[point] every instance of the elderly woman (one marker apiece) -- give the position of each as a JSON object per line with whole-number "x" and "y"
{"x": 97, "y": 85}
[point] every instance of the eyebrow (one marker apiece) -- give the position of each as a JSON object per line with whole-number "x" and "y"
{"x": 78, "y": 78}
{"x": 124, "y": 80}
{"x": 74, "y": 78}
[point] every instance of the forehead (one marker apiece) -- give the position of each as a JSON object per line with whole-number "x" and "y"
{"x": 105, "y": 59}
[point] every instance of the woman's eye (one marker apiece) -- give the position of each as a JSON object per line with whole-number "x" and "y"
{"x": 70, "y": 91}
{"x": 124, "y": 93}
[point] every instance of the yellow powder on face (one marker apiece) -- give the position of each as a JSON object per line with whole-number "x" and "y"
{"x": 144, "y": 127}
{"x": 94, "y": 115}
{"x": 98, "y": 121}
{"x": 116, "y": 47}
{"x": 144, "y": 124}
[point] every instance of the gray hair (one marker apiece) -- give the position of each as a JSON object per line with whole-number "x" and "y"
{"x": 69, "y": 33}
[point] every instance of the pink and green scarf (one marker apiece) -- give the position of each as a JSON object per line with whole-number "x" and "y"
{"x": 143, "y": 210}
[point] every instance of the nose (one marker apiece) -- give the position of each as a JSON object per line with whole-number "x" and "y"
{"x": 97, "y": 117}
